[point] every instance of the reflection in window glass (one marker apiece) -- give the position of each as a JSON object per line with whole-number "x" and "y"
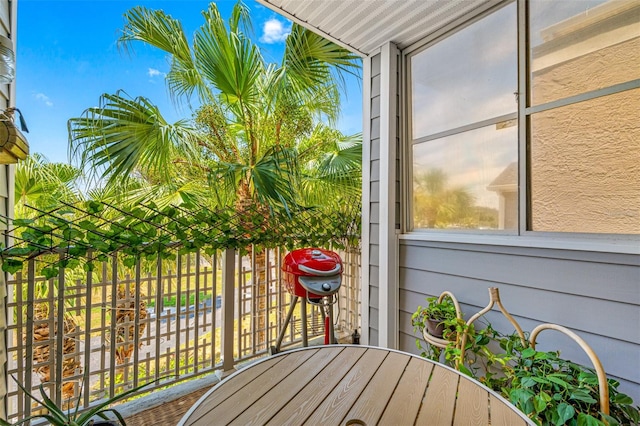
{"x": 580, "y": 46}
{"x": 468, "y": 180}
{"x": 585, "y": 166}
{"x": 468, "y": 77}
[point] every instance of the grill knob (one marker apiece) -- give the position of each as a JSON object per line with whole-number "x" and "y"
{"x": 326, "y": 286}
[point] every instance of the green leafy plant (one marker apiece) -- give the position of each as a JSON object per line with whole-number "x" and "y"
{"x": 482, "y": 358}
{"x": 440, "y": 311}
{"x": 439, "y": 318}
{"x": 555, "y": 391}
{"x": 435, "y": 315}
{"x": 547, "y": 388}
{"x": 83, "y": 234}
{"x": 58, "y": 416}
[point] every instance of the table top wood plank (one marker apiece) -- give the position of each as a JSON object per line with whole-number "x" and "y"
{"x": 440, "y": 398}
{"x": 227, "y": 388}
{"x": 333, "y": 384}
{"x": 369, "y": 407}
{"x": 341, "y": 398}
{"x": 405, "y": 402}
{"x": 503, "y": 415}
{"x": 228, "y": 409}
{"x": 288, "y": 388}
{"x": 472, "y": 405}
{"x": 305, "y": 402}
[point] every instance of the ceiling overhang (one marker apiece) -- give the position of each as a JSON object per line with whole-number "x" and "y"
{"x": 364, "y": 25}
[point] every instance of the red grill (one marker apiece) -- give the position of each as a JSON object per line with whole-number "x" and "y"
{"x": 312, "y": 273}
{"x": 316, "y": 275}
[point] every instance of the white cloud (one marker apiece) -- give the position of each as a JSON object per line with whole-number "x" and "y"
{"x": 274, "y": 31}
{"x": 153, "y": 72}
{"x": 44, "y": 99}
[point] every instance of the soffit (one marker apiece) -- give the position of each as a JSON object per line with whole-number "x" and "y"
{"x": 365, "y": 25}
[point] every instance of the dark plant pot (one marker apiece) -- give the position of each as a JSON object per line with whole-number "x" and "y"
{"x": 435, "y": 327}
{"x": 106, "y": 423}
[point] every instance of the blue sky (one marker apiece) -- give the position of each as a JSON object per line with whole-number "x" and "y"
{"x": 67, "y": 57}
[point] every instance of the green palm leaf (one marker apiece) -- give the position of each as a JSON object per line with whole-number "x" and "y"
{"x": 42, "y": 184}
{"x": 310, "y": 59}
{"x": 160, "y": 30}
{"x": 229, "y": 60}
{"x": 125, "y": 135}
{"x": 335, "y": 173}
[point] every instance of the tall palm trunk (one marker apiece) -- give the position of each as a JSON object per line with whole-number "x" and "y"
{"x": 246, "y": 207}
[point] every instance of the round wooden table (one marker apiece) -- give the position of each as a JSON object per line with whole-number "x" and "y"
{"x": 350, "y": 385}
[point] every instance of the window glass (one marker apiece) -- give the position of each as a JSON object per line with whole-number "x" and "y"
{"x": 468, "y": 77}
{"x": 585, "y": 166}
{"x": 468, "y": 180}
{"x": 580, "y": 46}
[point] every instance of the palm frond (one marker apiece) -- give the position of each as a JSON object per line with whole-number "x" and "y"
{"x": 309, "y": 60}
{"x": 337, "y": 172}
{"x": 42, "y": 184}
{"x": 229, "y": 60}
{"x": 240, "y": 19}
{"x": 157, "y": 29}
{"x": 124, "y": 135}
{"x": 160, "y": 30}
{"x": 272, "y": 179}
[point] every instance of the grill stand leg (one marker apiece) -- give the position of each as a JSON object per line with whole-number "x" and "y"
{"x": 305, "y": 340}
{"x": 275, "y": 349}
{"x": 332, "y": 332}
{"x": 329, "y": 330}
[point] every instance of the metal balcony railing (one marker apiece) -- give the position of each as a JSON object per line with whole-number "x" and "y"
{"x": 87, "y": 336}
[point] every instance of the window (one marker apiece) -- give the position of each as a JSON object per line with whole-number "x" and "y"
{"x": 580, "y": 106}
{"x": 464, "y": 128}
{"x": 584, "y": 128}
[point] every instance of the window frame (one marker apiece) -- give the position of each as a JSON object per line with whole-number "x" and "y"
{"x": 523, "y": 235}
{"x": 407, "y": 191}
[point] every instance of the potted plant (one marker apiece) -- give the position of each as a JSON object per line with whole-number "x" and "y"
{"x": 436, "y": 315}
{"x": 57, "y": 416}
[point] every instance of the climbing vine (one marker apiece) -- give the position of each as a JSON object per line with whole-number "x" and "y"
{"x": 79, "y": 234}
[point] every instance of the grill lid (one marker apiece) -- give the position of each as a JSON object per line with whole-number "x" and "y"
{"x": 312, "y": 262}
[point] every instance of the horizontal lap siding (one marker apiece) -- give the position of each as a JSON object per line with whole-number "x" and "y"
{"x": 374, "y": 200}
{"x": 595, "y": 294}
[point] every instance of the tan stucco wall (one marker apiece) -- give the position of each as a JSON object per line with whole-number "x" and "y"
{"x": 586, "y": 156}
{"x": 603, "y": 68}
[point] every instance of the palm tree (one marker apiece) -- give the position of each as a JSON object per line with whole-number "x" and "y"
{"x": 258, "y": 137}
{"x": 42, "y": 184}
{"x": 252, "y": 117}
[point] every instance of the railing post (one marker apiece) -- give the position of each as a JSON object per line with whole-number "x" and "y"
{"x": 59, "y": 345}
{"x": 28, "y": 371}
{"x": 228, "y": 314}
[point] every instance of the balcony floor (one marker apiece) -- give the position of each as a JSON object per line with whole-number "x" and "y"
{"x": 167, "y": 414}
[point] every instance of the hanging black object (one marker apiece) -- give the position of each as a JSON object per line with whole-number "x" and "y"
{"x": 23, "y": 123}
